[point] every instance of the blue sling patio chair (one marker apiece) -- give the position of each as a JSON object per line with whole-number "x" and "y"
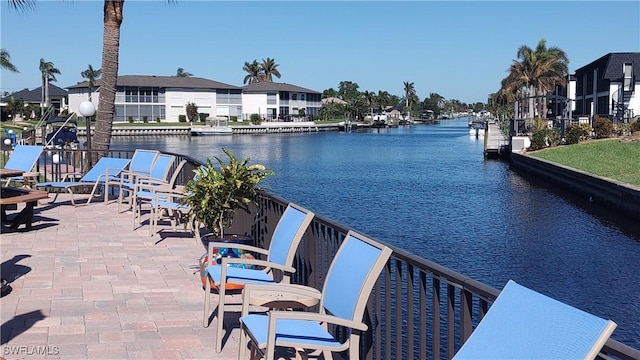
{"x": 24, "y": 158}
{"x": 105, "y": 168}
{"x": 279, "y": 258}
{"x": 524, "y": 324}
{"x": 351, "y": 276}
{"x": 140, "y": 165}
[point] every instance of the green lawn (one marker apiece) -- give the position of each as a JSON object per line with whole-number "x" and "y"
{"x": 609, "y": 158}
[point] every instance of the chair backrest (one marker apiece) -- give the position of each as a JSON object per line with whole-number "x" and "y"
{"x": 24, "y": 157}
{"x": 99, "y": 171}
{"x": 162, "y": 166}
{"x": 288, "y": 233}
{"x": 524, "y": 324}
{"x": 142, "y": 161}
{"x": 351, "y": 276}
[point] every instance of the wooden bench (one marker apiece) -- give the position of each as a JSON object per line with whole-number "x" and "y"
{"x": 11, "y": 197}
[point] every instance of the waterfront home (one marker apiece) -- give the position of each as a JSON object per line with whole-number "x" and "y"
{"x": 57, "y": 97}
{"x": 609, "y": 87}
{"x": 272, "y": 100}
{"x": 163, "y": 98}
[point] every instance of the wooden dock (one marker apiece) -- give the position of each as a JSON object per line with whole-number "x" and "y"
{"x": 496, "y": 145}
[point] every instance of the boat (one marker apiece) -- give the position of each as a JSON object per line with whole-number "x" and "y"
{"x": 61, "y": 133}
{"x": 215, "y": 126}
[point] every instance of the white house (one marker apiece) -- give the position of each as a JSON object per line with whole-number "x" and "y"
{"x": 282, "y": 101}
{"x": 163, "y": 98}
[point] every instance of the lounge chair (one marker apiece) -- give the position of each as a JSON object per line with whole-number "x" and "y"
{"x": 105, "y": 168}
{"x": 345, "y": 293}
{"x": 284, "y": 243}
{"x": 140, "y": 165}
{"x": 24, "y": 158}
{"x": 524, "y": 324}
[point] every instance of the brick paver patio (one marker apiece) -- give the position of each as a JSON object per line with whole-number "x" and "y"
{"x": 87, "y": 286}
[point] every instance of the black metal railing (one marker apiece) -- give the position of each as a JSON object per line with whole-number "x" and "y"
{"x": 417, "y": 310}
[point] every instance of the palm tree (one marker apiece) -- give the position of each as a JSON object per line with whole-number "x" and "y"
{"x": 254, "y": 72}
{"x": 537, "y": 71}
{"x": 48, "y": 71}
{"x": 91, "y": 75}
{"x": 270, "y": 69}
{"x": 369, "y": 97}
{"x": 409, "y": 96}
{"x": 181, "y": 73}
{"x": 5, "y": 61}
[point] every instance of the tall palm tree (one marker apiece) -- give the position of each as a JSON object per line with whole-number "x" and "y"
{"x": 91, "y": 75}
{"x": 254, "y": 72}
{"x": 409, "y": 96}
{"x": 5, "y": 61}
{"x": 181, "y": 73}
{"x": 270, "y": 69}
{"x": 382, "y": 99}
{"x": 48, "y": 71}
{"x": 369, "y": 98}
{"x": 536, "y": 72}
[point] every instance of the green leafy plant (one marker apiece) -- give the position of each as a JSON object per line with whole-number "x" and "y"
{"x": 635, "y": 126}
{"x": 192, "y": 111}
{"x": 538, "y": 140}
{"x": 216, "y": 194}
{"x": 182, "y": 118}
{"x": 576, "y": 133}
{"x": 255, "y": 119}
{"x": 145, "y": 119}
{"x": 602, "y": 127}
{"x": 130, "y": 119}
{"x": 203, "y": 117}
{"x": 157, "y": 119}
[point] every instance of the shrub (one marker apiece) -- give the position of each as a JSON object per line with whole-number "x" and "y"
{"x": 145, "y": 119}
{"x": 130, "y": 119}
{"x": 182, "y": 118}
{"x": 203, "y": 117}
{"x": 602, "y": 127}
{"x": 255, "y": 119}
{"x": 157, "y": 119}
{"x": 575, "y": 133}
{"x": 233, "y": 118}
{"x": 192, "y": 111}
{"x": 538, "y": 140}
{"x": 635, "y": 126}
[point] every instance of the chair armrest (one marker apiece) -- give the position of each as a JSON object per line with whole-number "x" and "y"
{"x": 306, "y": 291}
{"x": 274, "y": 316}
{"x": 67, "y": 175}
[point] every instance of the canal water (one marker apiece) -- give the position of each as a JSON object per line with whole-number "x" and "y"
{"x": 428, "y": 189}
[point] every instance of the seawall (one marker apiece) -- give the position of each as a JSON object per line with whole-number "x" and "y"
{"x": 621, "y": 197}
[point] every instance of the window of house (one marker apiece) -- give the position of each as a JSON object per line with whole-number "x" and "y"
{"x": 628, "y": 72}
{"x": 271, "y": 98}
{"x": 294, "y": 96}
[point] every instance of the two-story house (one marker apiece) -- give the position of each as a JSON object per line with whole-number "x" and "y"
{"x": 163, "y": 98}
{"x": 280, "y": 101}
{"x": 609, "y": 87}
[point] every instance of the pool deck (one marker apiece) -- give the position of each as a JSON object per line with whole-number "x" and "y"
{"x": 85, "y": 285}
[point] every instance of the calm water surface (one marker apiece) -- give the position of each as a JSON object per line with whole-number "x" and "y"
{"x": 428, "y": 189}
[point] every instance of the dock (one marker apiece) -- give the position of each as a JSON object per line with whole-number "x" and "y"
{"x": 496, "y": 144}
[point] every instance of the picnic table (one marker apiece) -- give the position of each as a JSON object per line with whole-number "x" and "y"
{"x": 10, "y": 197}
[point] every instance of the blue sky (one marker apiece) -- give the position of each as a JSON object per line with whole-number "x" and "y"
{"x": 460, "y": 50}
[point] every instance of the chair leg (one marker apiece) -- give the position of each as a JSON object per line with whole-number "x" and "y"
{"x": 207, "y": 302}
{"x": 220, "y": 322}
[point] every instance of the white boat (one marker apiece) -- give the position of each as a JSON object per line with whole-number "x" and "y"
{"x": 215, "y": 126}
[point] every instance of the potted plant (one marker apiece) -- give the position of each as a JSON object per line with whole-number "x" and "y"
{"x": 216, "y": 194}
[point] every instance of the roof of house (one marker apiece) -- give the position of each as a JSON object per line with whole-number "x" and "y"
{"x": 163, "y": 82}
{"x": 264, "y": 86}
{"x": 35, "y": 95}
{"x": 333, "y": 100}
{"x": 612, "y": 63}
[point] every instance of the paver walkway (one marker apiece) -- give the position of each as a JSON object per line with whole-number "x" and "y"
{"x": 87, "y": 286}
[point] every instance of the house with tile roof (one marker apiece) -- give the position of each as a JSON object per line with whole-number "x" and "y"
{"x": 280, "y": 101}
{"x": 163, "y": 98}
{"x": 609, "y": 87}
